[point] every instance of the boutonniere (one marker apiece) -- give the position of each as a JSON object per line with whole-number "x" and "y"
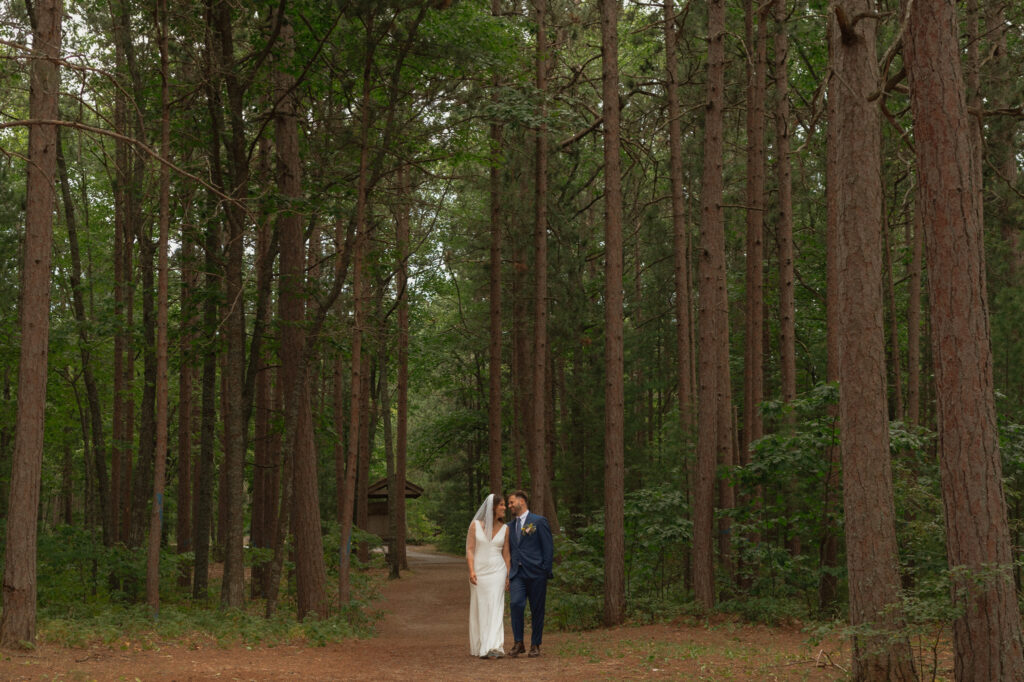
{"x": 529, "y": 529}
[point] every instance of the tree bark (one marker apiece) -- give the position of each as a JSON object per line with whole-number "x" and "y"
{"x": 160, "y": 465}
{"x": 203, "y": 498}
{"x": 402, "y": 415}
{"x": 854, "y": 157}
{"x": 186, "y": 378}
{"x": 18, "y": 621}
{"x": 536, "y": 449}
{"x": 680, "y": 234}
{"x": 987, "y": 636}
{"x": 310, "y": 570}
{"x": 233, "y": 585}
{"x": 614, "y": 391}
{"x": 753, "y": 366}
{"x": 784, "y": 226}
{"x": 714, "y": 441}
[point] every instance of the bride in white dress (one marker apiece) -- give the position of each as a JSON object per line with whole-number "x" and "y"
{"x": 487, "y": 554}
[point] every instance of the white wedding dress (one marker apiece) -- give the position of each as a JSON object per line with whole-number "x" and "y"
{"x": 487, "y": 597}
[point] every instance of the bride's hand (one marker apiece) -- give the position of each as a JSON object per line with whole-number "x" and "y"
{"x": 472, "y": 577}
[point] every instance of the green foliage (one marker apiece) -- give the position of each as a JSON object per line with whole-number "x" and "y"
{"x": 656, "y": 534}
{"x": 790, "y": 464}
{"x": 89, "y": 593}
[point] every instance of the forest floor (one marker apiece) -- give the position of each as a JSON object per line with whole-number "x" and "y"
{"x": 423, "y": 636}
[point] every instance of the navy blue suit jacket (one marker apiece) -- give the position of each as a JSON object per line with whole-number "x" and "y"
{"x": 533, "y": 551}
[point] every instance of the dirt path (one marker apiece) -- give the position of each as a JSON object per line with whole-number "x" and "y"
{"x": 424, "y": 637}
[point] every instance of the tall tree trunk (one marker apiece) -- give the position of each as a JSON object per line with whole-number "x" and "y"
{"x": 359, "y": 365}
{"x": 714, "y": 439}
{"x": 753, "y": 366}
{"x": 233, "y": 585}
{"x": 142, "y": 478}
{"x": 188, "y": 325}
{"x": 854, "y": 156}
{"x": 396, "y": 487}
{"x": 536, "y": 451}
{"x": 99, "y": 450}
{"x": 355, "y": 417}
{"x": 520, "y": 368}
{"x": 367, "y": 429}
{"x": 614, "y": 390}
{"x": 130, "y": 178}
{"x": 208, "y": 397}
{"x": 680, "y": 236}
{"x": 310, "y": 570}
{"x": 894, "y": 322}
{"x": 913, "y": 415}
{"x": 494, "y": 347}
{"x": 18, "y": 621}
{"x": 784, "y": 226}
{"x": 987, "y": 636}
{"x": 402, "y": 415}
{"x": 494, "y": 276}
{"x": 160, "y": 465}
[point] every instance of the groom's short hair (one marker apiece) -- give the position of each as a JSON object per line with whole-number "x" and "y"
{"x": 522, "y": 496}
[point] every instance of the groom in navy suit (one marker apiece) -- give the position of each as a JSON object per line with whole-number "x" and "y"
{"x": 532, "y": 551}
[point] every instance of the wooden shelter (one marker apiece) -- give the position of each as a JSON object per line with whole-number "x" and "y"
{"x": 378, "y": 510}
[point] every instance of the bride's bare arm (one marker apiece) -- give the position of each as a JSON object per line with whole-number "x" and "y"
{"x": 470, "y": 548}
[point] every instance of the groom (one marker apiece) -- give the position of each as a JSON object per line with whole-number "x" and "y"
{"x": 532, "y": 551}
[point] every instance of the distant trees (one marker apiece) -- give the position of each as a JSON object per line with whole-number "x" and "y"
{"x": 464, "y": 225}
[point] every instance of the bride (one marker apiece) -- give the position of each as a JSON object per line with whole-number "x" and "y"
{"x": 487, "y": 554}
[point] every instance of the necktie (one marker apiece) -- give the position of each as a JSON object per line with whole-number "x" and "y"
{"x": 519, "y": 526}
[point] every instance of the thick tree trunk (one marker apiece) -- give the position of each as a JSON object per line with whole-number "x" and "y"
{"x": 854, "y": 158}
{"x": 714, "y": 440}
{"x": 310, "y": 570}
{"x": 18, "y": 621}
{"x": 614, "y": 392}
{"x": 987, "y": 637}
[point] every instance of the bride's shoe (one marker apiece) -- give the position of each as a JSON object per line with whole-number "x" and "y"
{"x": 495, "y": 653}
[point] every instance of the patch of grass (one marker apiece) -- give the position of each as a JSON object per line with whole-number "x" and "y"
{"x": 134, "y": 627}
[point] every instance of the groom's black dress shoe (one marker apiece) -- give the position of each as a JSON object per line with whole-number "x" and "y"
{"x": 516, "y": 649}
{"x": 534, "y": 651}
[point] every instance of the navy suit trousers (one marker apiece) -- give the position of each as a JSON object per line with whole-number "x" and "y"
{"x": 520, "y": 590}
